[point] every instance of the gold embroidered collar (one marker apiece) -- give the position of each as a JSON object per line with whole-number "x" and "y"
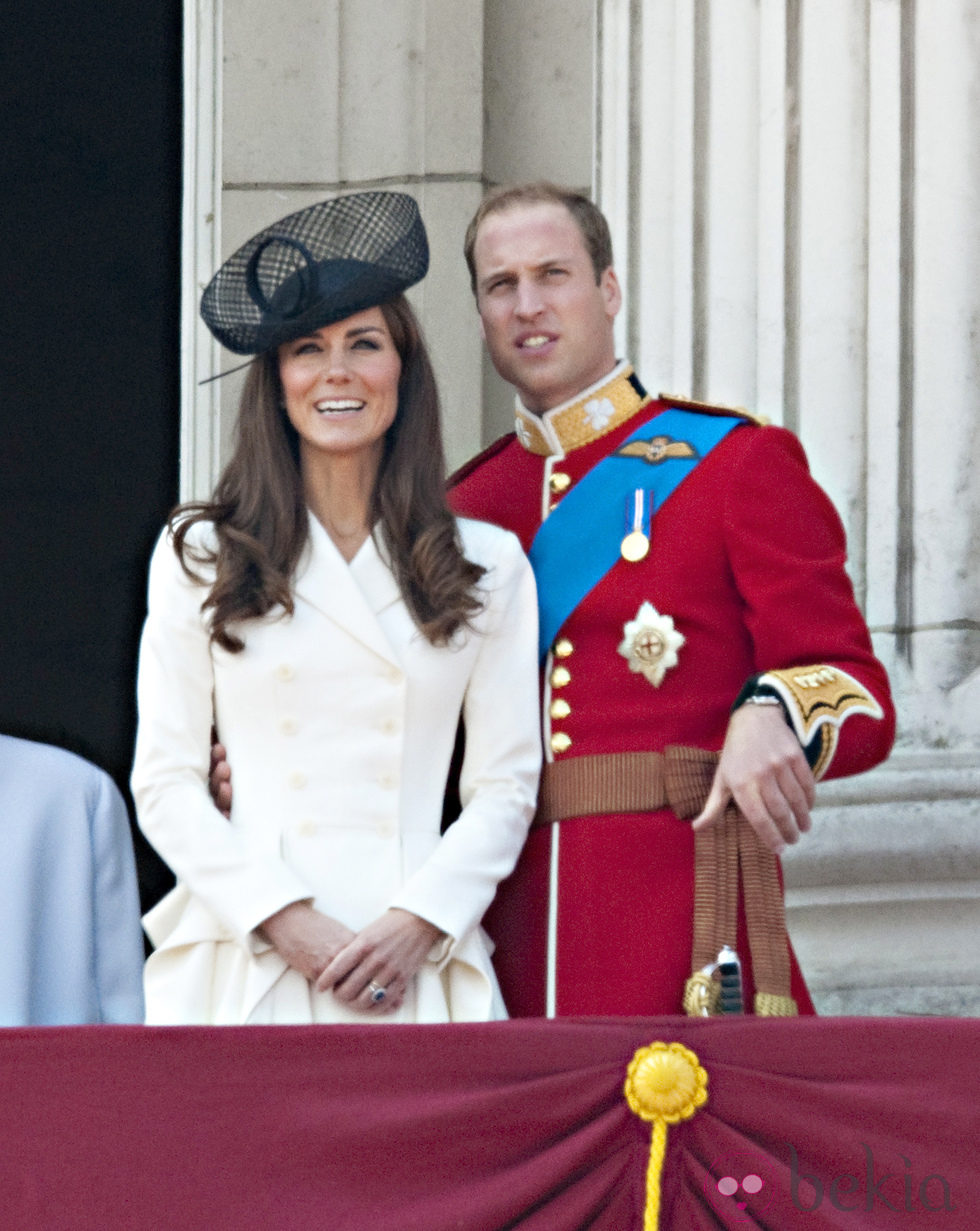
{"x": 599, "y": 409}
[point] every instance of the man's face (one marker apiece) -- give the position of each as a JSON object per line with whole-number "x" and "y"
{"x": 546, "y": 322}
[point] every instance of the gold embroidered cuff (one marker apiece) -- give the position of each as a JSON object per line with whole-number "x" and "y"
{"x": 818, "y": 700}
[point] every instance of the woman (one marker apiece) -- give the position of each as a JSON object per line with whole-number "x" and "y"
{"x": 330, "y": 617}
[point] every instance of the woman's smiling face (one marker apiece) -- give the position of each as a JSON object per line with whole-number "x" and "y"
{"x": 340, "y": 385}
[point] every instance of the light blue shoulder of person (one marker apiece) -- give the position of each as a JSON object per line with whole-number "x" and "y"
{"x": 71, "y": 948}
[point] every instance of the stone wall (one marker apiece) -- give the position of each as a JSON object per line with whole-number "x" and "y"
{"x": 439, "y": 98}
{"x": 794, "y": 189}
{"x": 795, "y": 193}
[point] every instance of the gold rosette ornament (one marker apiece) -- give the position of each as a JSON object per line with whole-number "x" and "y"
{"x": 665, "y": 1084}
{"x": 650, "y": 643}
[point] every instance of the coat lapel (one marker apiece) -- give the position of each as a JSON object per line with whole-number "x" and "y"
{"x": 351, "y": 595}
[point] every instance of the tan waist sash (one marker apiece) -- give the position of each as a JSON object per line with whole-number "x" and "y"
{"x": 680, "y": 778}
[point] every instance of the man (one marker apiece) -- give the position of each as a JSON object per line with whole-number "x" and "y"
{"x": 693, "y": 596}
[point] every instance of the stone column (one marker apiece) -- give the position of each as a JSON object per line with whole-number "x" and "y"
{"x": 795, "y": 192}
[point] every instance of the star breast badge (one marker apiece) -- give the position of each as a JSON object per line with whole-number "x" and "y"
{"x": 650, "y": 643}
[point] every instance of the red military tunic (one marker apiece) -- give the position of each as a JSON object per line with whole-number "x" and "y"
{"x": 747, "y": 557}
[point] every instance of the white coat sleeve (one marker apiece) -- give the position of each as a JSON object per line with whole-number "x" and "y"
{"x": 175, "y": 682}
{"x": 502, "y": 761}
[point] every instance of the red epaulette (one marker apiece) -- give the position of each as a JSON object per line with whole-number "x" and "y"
{"x": 712, "y": 408}
{"x": 490, "y": 451}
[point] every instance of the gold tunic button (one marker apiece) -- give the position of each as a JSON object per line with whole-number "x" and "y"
{"x": 560, "y": 742}
{"x": 559, "y": 482}
{"x": 560, "y": 708}
{"x": 560, "y": 677}
{"x": 563, "y": 647}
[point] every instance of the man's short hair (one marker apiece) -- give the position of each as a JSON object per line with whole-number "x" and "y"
{"x": 587, "y": 216}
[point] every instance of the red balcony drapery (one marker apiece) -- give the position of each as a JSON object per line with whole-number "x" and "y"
{"x": 859, "y": 1123}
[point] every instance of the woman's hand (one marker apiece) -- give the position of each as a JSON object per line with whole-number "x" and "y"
{"x": 305, "y": 938}
{"x": 387, "y": 953}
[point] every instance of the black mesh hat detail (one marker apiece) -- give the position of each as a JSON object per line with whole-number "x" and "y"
{"x": 315, "y": 267}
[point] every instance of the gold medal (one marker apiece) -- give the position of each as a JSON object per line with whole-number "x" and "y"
{"x": 635, "y": 546}
{"x": 636, "y": 543}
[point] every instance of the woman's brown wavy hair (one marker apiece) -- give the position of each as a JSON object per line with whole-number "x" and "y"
{"x": 260, "y": 516}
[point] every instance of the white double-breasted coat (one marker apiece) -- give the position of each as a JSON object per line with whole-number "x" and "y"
{"x": 339, "y": 721}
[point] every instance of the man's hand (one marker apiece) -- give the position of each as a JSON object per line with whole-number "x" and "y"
{"x": 305, "y": 938}
{"x": 763, "y": 769}
{"x": 386, "y": 953}
{"x": 219, "y": 779}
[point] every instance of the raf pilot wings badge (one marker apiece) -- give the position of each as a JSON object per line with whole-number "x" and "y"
{"x": 657, "y": 449}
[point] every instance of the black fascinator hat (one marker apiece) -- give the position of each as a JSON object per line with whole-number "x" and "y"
{"x": 315, "y": 267}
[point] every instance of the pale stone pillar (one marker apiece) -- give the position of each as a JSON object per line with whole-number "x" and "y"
{"x": 795, "y": 194}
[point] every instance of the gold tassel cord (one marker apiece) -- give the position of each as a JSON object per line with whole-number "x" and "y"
{"x": 665, "y": 1084}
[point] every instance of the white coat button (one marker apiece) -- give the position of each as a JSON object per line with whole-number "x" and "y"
{"x": 306, "y": 829}
{"x": 394, "y": 674}
{"x": 390, "y": 726}
{"x": 386, "y": 780}
{"x": 289, "y": 726}
{"x": 297, "y": 780}
{"x": 285, "y": 671}
{"x": 386, "y": 829}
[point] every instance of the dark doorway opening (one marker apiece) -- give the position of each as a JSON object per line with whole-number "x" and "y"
{"x": 91, "y": 107}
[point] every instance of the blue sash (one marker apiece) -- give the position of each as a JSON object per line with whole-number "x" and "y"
{"x": 579, "y": 542}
